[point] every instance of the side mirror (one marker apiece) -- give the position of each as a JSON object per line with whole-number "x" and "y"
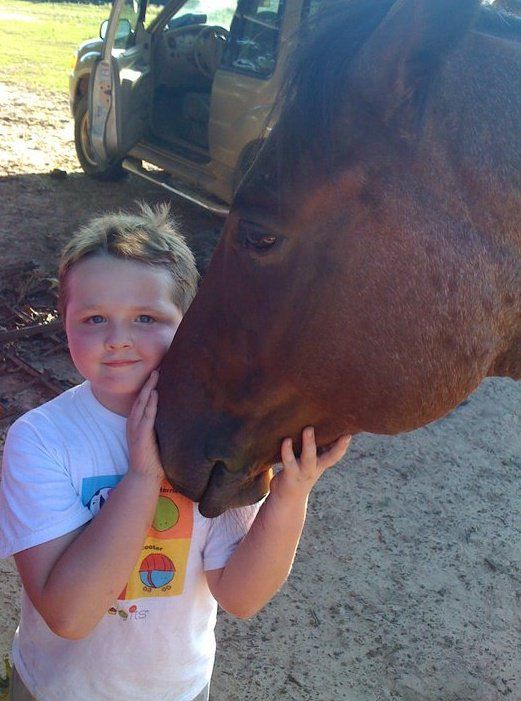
{"x": 123, "y": 32}
{"x": 103, "y": 29}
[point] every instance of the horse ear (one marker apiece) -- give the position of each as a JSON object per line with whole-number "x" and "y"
{"x": 398, "y": 60}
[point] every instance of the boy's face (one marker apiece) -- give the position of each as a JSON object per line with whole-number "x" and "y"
{"x": 120, "y": 321}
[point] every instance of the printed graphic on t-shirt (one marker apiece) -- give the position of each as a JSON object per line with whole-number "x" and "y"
{"x": 95, "y": 491}
{"x": 160, "y": 571}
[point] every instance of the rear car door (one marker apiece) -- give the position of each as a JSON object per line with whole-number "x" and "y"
{"x": 120, "y": 90}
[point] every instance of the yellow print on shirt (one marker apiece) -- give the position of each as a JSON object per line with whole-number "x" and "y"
{"x": 161, "y": 568}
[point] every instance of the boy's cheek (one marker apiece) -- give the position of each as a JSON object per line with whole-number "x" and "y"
{"x": 81, "y": 349}
{"x": 164, "y": 339}
{"x": 83, "y": 335}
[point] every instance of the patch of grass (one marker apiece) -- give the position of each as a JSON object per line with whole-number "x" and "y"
{"x": 38, "y": 40}
{"x": 4, "y": 681}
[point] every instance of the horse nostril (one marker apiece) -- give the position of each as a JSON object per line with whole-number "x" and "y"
{"x": 221, "y": 443}
{"x": 226, "y": 466}
{"x": 219, "y": 467}
{"x": 218, "y": 449}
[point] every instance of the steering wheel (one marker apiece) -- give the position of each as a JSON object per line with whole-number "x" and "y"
{"x": 208, "y": 48}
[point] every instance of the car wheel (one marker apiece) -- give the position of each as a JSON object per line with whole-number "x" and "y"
{"x": 84, "y": 147}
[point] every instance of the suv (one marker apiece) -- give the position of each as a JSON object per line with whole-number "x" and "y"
{"x": 181, "y": 100}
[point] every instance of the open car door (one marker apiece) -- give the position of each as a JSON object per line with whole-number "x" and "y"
{"x": 120, "y": 90}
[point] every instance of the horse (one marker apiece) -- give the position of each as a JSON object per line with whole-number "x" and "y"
{"x": 368, "y": 276}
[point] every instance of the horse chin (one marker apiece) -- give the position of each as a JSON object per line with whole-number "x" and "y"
{"x": 230, "y": 490}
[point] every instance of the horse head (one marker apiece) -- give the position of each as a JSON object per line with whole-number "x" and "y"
{"x": 368, "y": 276}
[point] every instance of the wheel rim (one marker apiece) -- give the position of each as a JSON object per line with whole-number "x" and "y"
{"x": 86, "y": 145}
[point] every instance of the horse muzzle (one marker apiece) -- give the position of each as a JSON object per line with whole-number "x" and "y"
{"x": 224, "y": 489}
{"x": 227, "y": 490}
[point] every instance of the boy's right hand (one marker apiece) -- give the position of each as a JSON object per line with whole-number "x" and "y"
{"x": 144, "y": 456}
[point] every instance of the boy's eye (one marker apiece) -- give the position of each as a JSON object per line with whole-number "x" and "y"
{"x": 95, "y": 319}
{"x": 145, "y": 319}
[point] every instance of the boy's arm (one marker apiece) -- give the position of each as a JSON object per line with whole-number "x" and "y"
{"x": 262, "y": 561}
{"x": 74, "y": 579}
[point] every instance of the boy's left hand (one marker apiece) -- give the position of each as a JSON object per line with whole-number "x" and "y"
{"x": 144, "y": 456}
{"x": 299, "y": 475}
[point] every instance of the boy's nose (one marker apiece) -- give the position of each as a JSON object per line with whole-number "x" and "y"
{"x": 118, "y": 343}
{"x": 118, "y": 338}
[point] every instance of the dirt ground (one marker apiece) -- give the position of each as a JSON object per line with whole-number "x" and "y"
{"x": 407, "y": 585}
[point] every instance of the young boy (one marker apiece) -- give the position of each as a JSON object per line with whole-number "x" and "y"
{"x": 121, "y": 575}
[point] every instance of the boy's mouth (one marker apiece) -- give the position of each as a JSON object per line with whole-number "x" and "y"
{"x": 120, "y": 363}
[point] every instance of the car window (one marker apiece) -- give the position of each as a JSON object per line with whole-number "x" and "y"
{"x": 254, "y": 37}
{"x": 211, "y": 12}
{"x": 132, "y": 12}
{"x": 311, "y": 7}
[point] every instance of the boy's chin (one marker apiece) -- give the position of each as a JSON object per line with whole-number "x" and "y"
{"x": 118, "y": 399}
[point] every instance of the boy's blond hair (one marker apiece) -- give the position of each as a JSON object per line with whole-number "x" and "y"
{"x": 149, "y": 237}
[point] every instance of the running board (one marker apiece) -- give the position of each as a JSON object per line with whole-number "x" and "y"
{"x": 213, "y": 206}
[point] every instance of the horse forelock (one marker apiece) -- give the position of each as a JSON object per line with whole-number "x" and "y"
{"x": 316, "y": 93}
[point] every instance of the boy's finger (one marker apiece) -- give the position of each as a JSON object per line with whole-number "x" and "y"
{"x": 286, "y": 453}
{"x": 309, "y": 447}
{"x": 151, "y": 406}
{"x": 141, "y": 402}
{"x": 151, "y": 381}
{"x": 145, "y": 390}
{"x": 335, "y": 452}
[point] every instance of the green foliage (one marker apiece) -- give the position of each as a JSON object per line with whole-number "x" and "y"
{"x": 98, "y": 2}
{"x": 39, "y": 40}
{"x": 4, "y": 681}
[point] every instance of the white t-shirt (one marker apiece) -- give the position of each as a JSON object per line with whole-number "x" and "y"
{"x": 157, "y": 641}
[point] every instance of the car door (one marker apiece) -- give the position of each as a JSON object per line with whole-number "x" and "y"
{"x": 120, "y": 89}
{"x": 247, "y": 80}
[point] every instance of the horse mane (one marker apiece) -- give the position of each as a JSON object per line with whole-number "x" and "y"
{"x": 499, "y": 23}
{"x": 324, "y": 48}
{"x": 312, "y": 93}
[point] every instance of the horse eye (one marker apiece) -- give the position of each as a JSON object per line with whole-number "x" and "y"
{"x": 264, "y": 241}
{"x": 255, "y": 237}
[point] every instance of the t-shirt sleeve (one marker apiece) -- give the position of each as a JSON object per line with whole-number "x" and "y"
{"x": 38, "y": 501}
{"x": 225, "y": 534}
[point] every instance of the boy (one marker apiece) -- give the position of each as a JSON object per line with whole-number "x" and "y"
{"x": 120, "y": 574}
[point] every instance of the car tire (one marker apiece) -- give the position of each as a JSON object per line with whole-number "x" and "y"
{"x": 84, "y": 148}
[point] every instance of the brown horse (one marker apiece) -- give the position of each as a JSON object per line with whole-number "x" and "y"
{"x": 368, "y": 277}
